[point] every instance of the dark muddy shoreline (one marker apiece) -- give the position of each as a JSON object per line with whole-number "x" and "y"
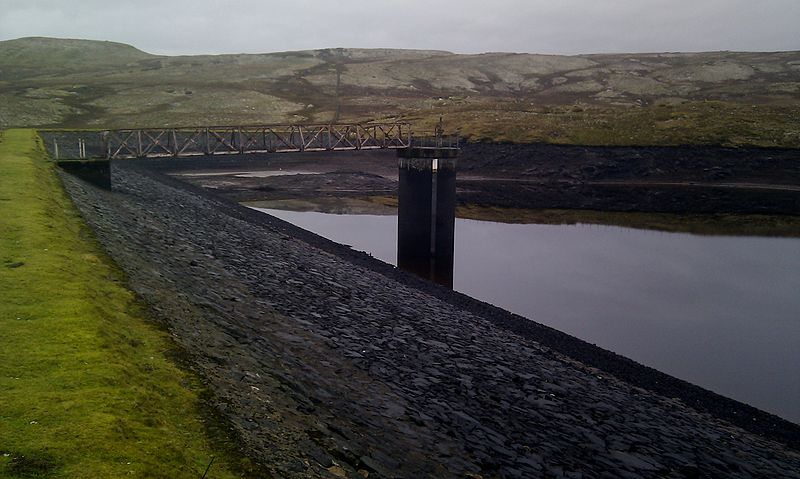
{"x": 680, "y": 180}
{"x": 701, "y": 164}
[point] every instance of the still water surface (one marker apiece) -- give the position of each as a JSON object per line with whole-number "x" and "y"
{"x": 719, "y": 311}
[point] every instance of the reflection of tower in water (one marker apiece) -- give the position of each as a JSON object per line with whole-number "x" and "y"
{"x": 426, "y": 212}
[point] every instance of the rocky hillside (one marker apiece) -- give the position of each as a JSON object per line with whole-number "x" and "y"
{"x": 721, "y": 97}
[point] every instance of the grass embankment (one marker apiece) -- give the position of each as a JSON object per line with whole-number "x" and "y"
{"x": 716, "y": 123}
{"x": 86, "y": 385}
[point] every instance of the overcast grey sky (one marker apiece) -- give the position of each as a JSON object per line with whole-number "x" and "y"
{"x": 464, "y": 26}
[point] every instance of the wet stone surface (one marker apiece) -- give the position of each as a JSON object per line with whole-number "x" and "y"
{"x": 329, "y": 369}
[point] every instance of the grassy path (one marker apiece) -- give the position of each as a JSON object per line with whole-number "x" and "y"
{"x": 86, "y": 386}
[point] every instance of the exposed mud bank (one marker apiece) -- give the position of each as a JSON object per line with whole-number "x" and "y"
{"x": 327, "y": 362}
{"x": 638, "y": 179}
{"x": 677, "y": 180}
{"x": 625, "y": 196}
{"x": 700, "y": 164}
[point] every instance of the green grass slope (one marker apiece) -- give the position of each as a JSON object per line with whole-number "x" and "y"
{"x": 86, "y": 386}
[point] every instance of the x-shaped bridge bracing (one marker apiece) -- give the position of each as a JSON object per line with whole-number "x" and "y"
{"x": 177, "y": 142}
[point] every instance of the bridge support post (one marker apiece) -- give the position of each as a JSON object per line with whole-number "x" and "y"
{"x": 96, "y": 172}
{"x": 426, "y": 212}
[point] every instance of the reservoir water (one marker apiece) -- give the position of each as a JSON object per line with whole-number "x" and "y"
{"x": 722, "y": 312}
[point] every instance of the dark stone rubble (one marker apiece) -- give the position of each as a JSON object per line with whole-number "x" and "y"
{"x": 326, "y": 368}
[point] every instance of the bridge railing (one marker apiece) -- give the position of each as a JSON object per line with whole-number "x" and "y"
{"x": 165, "y": 142}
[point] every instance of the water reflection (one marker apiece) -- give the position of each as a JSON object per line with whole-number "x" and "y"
{"x": 722, "y": 312}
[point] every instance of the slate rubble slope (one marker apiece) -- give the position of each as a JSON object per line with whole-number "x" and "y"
{"x": 325, "y": 368}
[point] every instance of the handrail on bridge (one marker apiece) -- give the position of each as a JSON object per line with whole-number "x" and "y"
{"x": 220, "y": 140}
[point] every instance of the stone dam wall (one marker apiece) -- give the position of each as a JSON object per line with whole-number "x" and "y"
{"x": 327, "y": 363}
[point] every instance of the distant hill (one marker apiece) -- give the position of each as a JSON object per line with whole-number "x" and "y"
{"x": 36, "y": 56}
{"x": 718, "y": 97}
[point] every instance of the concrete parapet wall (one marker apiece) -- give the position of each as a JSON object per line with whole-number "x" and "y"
{"x": 428, "y": 152}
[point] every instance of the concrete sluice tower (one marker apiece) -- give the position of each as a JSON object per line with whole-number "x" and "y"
{"x": 426, "y": 212}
